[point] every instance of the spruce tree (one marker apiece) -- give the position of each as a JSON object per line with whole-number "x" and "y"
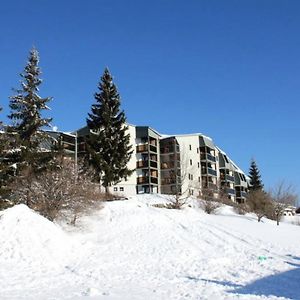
{"x": 109, "y": 146}
{"x": 255, "y": 177}
{"x": 26, "y": 109}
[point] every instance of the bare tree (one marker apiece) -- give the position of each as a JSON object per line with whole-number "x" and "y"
{"x": 209, "y": 199}
{"x": 283, "y": 196}
{"x": 56, "y": 191}
{"x": 259, "y": 203}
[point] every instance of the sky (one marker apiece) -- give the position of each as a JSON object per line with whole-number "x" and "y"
{"x": 228, "y": 69}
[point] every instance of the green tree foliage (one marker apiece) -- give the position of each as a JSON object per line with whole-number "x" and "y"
{"x": 255, "y": 177}
{"x": 26, "y": 115}
{"x": 109, "y": 146}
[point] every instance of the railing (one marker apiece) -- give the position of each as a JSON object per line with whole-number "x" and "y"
{"x": 142, "y": 148}
{"x": 154, "y": 180}
{"x": 167, "y": 165}
{"x": 229, "y": 178}
{"x": 168, "y": 180}
{"x": 165, "y": 150}
{"x": 231, "y": 191}
{"x": 241, "y": 194}
{"x": 142, "y": 180}
{"x": 207, "y": 156}
{"x": 153, "y": 148}
{"x": 212, "y": 171}
{"x": 153, "y": 164}
{"x": 142, "y": 164}
{"x": 210, "y": 185}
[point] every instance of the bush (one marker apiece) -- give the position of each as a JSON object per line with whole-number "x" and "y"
{"x": 58, "y": 191}
{"x": 209, "y": 205}
{"x": 241, "y": 208}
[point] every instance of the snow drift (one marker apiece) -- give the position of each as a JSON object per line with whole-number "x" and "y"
{"x": 132, "y": 250}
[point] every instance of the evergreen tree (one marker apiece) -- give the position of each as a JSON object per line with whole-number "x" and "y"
{"x": 255, "y": 177}
{"x": 26, "y": 107}
{"x": 109, "y": 146}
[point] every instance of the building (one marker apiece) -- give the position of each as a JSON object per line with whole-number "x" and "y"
{"x": 186, "y": 164}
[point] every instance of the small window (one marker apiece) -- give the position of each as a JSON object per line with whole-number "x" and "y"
{"x": 190, "y": 147}
{"x": 189, "y": 176}
{"x": 198, "y": 165}
{"x": 115, "y": 189}
{"x": 191, "y": 162}
{"x": 199, "y": 179}
{"x": 121, "y": 189}
{"x": 197, "y": 150}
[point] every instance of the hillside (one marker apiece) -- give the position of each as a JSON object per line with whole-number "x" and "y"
{"x": 132, "y": 250}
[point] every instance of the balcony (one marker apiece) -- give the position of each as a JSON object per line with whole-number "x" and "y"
{"x": 153, "y": 148}
{"x": 168, "y": 180}
{"x": 168, "y": 165}
{"x": 142, "y": 148}
{"x": 231, "y": 191}
{"x": 210, "y": 185}
{"x": 153, "y": 164}
{"x": 154, "y": 180}
{"x": 142, "y": 180}
{"x": 208, "y": 171}
{"x": 241, "y": 194}
{"x": 142, "y": 164}
{"x": 229, "y": 178}
{"x": 207, "y": 156}
{"x": 226, "y": 177}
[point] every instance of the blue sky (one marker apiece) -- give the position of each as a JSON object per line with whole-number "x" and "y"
{"x": 228, "y": 69}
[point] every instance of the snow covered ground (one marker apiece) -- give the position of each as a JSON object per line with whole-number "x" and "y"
{"x": 131, "y": 250}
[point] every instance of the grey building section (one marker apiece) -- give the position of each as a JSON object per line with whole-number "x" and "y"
{"x": 170, "y": 166}
{"x": 148, "y": 160}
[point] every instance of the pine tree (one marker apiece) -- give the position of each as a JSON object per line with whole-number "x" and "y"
{"x": 109, "y": 146}
{"x": 255, "y": 177}
{"x": 26, "y": 107}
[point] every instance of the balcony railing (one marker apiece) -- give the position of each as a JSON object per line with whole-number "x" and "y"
{"x": 241, "y": 194}
{"x": 168, "y": 180}
{"x": 153, "y": 148}
{"x": 210, "y": 185}
{"x": 208, "y": 171}
{"x": 154, "y": 180}
{"x": 142, "y": 180}
{"x": 229, "y": 178}
{"x": 142, "y": 164}
{"x": 207, "y": 156}
{"x": 167, "y": 165}
{"x": 153, "y": 164}
{"x": 142, "y": 148}
{"x": 231, "y": 191}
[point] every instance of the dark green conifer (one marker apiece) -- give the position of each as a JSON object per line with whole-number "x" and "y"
{"x": 109, "y": 146}
{"x": 255, "y": 177}
{"x": 26, "y": 108}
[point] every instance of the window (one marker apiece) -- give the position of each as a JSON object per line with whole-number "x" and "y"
{"x": 198, "y": 165}
{"x": 190, "y": 147}
{"x": 115, "y": 189}
{"x": 191, "y": 162}
{"x": 197, "y": 150}
{"x": 191, "y": 192}
{"x": 121, "y": 189}
{"x": 199, "y": 179}
{"x": 190, "y": 176}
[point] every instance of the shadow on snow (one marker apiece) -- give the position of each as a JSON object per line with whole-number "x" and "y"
{"x": 284, "y": 284}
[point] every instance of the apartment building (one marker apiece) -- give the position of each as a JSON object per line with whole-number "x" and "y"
{"x": 186, "y": 164}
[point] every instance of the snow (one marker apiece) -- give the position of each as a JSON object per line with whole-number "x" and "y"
{"x": 133, "y": 250}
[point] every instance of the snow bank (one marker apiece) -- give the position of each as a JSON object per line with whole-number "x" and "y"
{"x": 133, "y": 250}
{"x": 27, "y": 237}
